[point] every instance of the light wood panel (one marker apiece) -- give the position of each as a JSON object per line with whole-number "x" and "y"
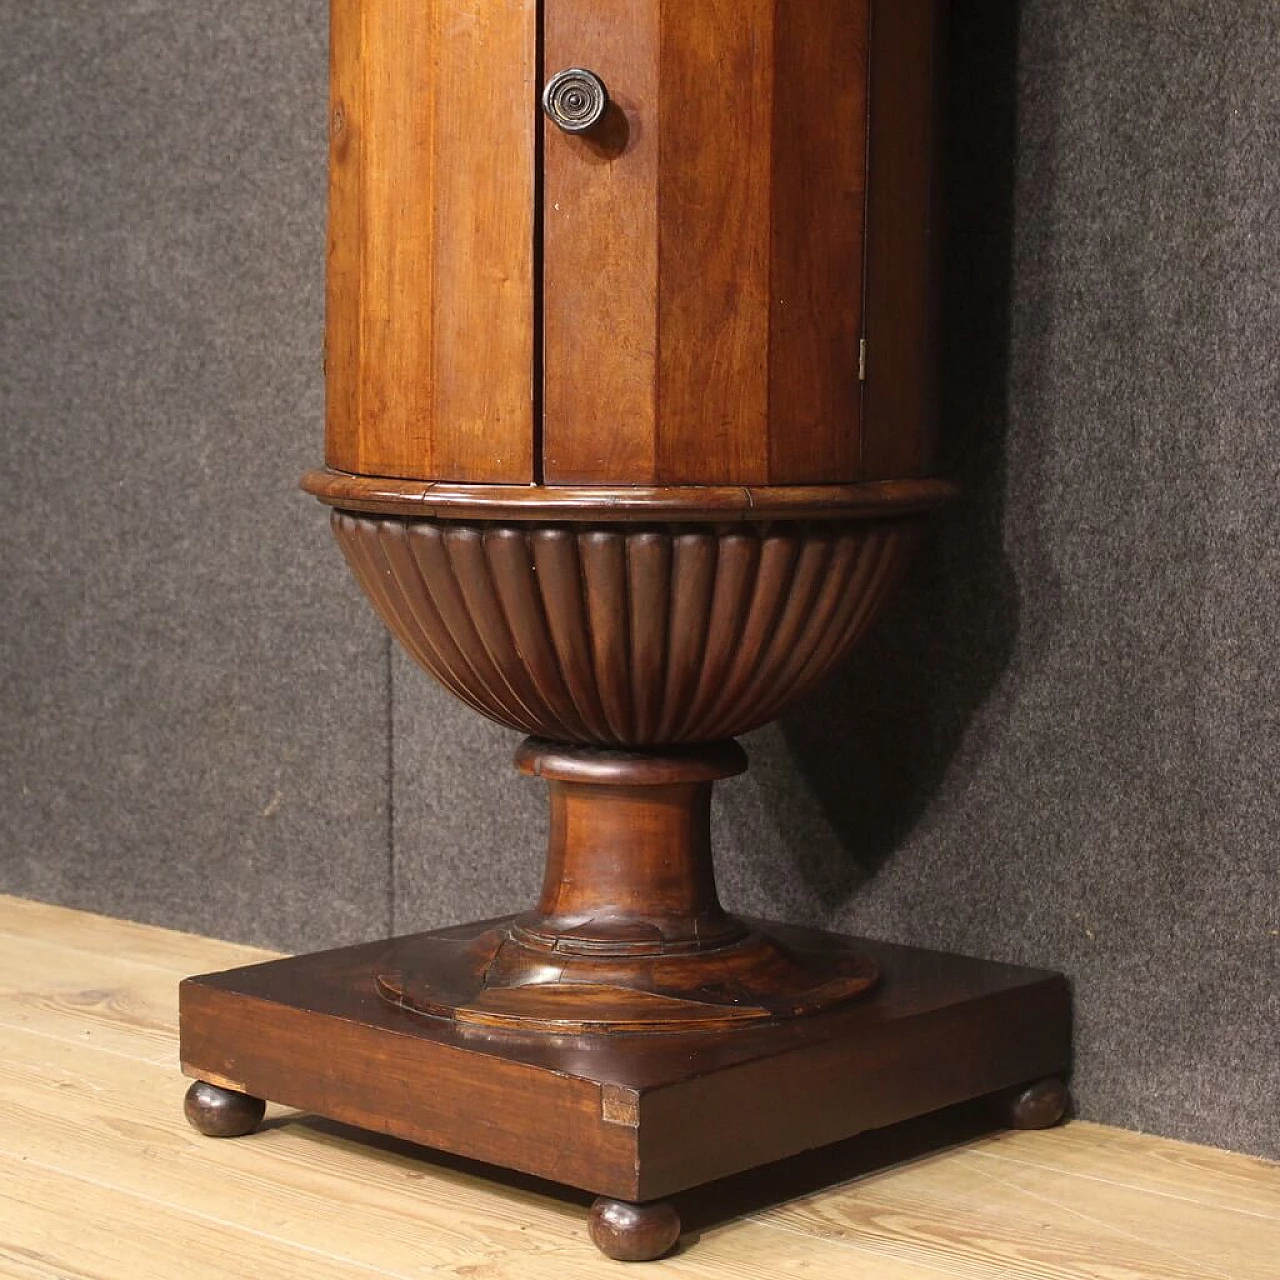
{"x": 292, "y": 1175}
{"x": 430, "y": 302}
{"x": 1178, "y": 1170}
{"x": 81, "y": 931}
{"x": 959, "y": 1213}
{"x": 106, "y": 1002}
{"x": 88, "y": 1229}
{"x": 401, "y": 1215}
{"x": 100, "y": 1176}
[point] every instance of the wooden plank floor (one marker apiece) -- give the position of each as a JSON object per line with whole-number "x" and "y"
{"x": 100, "y": 1176}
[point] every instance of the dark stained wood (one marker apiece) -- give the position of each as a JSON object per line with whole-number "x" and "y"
{"x": 322, "y": 1040}
{"x": 1036, "y": 1106}
{"x": 222, "y": 1113}
{"x": 906, "y": 1066}
{"x": 626, "y": 503}
{"x": 819, "y": 198}
{"x": 629, "y": 1232}
{"x": 634, "y": 1117}
{"x": 628, "y": 933}
{"x": 550, "y": 630}
{"x": 595, "y": 980}
{"x": 900, "y": 401}
{"x": 555, "y": 762}
{"x": 430, "y": 305}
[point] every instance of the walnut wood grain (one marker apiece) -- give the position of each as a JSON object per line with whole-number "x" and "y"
{"x": 715, "y": 185}
{"x": 626, "y": 503}
{"x": 430, "y": 303}
{"x": 628, "y": 933}
{"x": 703, "y": 259}
{"x": 551, "y": 629}
{"x": 819, "y": 198}
{"x": 701, "y": 281}
{"x": 599, "y": 460}
{"x": 600, "y": 251}
{"x": 634, "y": 1117}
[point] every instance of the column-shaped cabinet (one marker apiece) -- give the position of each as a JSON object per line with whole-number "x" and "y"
{"x": 703, "y": 288}
{"x": 631, "y": 419}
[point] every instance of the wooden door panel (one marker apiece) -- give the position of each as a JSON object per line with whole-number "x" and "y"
{"x": 819, "y": 202}
{"x": 703, "y": 254}
{"x": 429, "y": 336}
{"x": 714, "y": 120}
{"x": 600, "y": 251}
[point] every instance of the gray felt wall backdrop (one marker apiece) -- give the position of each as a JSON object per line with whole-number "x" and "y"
{"x": 1061, "y": 746}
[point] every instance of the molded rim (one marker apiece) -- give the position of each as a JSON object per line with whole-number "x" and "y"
{"x": 557, "y": 503}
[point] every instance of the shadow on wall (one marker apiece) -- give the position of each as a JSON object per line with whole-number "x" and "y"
{"x": 875, "y": 743}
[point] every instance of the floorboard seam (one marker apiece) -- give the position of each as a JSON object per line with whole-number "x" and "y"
{"x": 853, "y": 1246}
{"x": 187, "y": 1212}
{"x": 119, "y": 956}
{"x": 82, "y": 1041}
{"x": 1059, "y": 1171}
{"x": 1155, "y": 1247}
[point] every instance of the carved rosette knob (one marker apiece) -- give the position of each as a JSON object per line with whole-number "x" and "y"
{"x": 575, "y": 100}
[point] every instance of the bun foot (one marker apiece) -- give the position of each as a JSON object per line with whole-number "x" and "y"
{"x": 1035, "y": 1106}
{"x": 629, "y": 1232}
{"x": 221, "y": 1113}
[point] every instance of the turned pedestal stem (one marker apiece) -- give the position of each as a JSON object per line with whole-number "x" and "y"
{"x": 629, "y": 867}
{"x": 628, "y": 933}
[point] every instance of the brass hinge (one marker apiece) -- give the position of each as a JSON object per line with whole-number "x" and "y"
{"x": 862, "y": 359}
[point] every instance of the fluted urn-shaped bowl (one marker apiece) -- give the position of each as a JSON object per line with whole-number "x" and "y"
{"x": 630, "y": 652}
{"x": 626, "y": 635}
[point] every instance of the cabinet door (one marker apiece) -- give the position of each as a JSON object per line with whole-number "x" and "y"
{"x": 431, "y": 289}
{"x": 703, "y": 248}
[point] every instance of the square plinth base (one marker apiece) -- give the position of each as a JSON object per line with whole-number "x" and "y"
{"x": 636, "y": 1117}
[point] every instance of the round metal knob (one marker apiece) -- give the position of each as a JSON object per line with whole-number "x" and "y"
{"x": 575, "y": 100}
